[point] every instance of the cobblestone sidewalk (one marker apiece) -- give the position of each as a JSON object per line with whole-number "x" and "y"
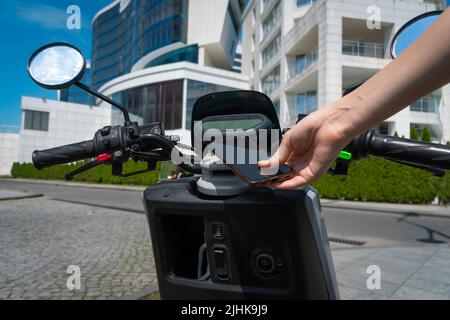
{"x": 41, "y": 238}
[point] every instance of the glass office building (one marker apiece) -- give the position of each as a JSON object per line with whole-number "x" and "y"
{"x": 156, "y": 58}
{"x": 76, "y": 95}
{"x": 121, "y": 36}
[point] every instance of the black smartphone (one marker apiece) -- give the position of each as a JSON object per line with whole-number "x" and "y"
{"x": 251, "y": 172}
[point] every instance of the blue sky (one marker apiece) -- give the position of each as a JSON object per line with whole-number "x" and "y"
{"x": 26, "y": 25}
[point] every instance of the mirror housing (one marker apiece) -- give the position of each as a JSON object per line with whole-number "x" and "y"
{"x": 411, "y": 31}
{"x": 56, "y": 65}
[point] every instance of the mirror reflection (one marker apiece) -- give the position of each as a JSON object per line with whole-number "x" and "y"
{"x": 56, "y": 65}
{"x": 411, "y": 33}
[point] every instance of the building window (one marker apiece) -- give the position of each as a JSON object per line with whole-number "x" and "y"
{"x": 276, "y": 105}
{"x": 162, "y": 102}
{"x": 253, "y": 44}
{"x": 264, "y": 4}
{"x": 426, "y": 104}
{"x": 301, "y": 3}
{"x": 271, "y": 50}
{"x": 272, "y": 20}
{"x": 233, "y": 19}
{"x": 363, "y": 49}
{"x": 196, "y": 89}
{"x": 306, "y": 102}
{"x": 36, "y": 120}
{"x": 271, "y": 81}
{"x": 383, "y": 128}
{"x": 303, "y": 61}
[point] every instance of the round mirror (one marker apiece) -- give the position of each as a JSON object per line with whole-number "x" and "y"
{"x": 411, "y": 31}
{"x": 56, "y": 66}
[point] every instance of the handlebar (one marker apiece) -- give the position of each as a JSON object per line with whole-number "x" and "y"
{"x": 64, "y": 154}
{"x": 406, "y": 151}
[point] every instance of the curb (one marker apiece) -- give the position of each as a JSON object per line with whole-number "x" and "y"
{"x": 27, "y": 196}
{"x": 393, "y": 210}
{"x": 77, "y": 184}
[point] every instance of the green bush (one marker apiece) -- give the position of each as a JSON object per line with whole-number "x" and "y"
{"x": 370, "y": 179}
{"x": 99, "y": 174}
{"x": 385, "y": 181}
{"x": 426, "y": 136}
{"x": 414, "y": 135}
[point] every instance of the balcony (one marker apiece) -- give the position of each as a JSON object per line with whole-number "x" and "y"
{"x": 426, "y": 104}
{"x": 304, "y": 61}
{"x": 363, "y": 49}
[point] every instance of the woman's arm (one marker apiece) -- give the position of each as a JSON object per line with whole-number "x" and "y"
{"x": 312, "y": 145}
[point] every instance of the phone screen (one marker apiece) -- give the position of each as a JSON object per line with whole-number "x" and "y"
{"x": 245, "y": 164}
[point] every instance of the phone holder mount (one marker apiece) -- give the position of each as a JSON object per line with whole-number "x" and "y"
{"x": 241, "y": 107}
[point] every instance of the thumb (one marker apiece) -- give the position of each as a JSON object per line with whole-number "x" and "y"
{"x": 280, "y": 156}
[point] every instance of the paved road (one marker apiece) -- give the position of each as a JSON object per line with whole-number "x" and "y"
{"x": 375, "y": 228}
{"x": 47, "y": 245}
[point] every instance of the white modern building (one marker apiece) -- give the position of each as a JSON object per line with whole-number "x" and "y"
{"x": 303, "y": 53}
{"x": 9, "y": 151}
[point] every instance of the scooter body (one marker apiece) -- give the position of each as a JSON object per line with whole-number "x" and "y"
{"x": 260, "y": 244}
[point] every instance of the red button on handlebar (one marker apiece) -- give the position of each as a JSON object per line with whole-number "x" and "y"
{"x": 104, "y": 157}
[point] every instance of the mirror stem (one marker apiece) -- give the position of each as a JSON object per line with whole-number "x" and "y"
{"x": 105, "y": 98}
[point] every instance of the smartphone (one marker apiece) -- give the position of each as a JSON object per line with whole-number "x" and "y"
{"x": 251, "y": 172}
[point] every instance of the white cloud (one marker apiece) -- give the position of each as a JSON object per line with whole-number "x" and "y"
{"x": 46, "y": 16}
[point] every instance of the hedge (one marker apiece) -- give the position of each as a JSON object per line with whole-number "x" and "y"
{"x": 99, "y": 174}
{"x": 370, "y": 179}
{"x": 380, "y": 180}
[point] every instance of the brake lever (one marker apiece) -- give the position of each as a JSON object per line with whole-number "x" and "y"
{"x": 70, "y": 175}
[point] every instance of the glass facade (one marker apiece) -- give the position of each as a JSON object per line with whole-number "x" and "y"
{"x": 196, "y": 89}
{"x": 76, "y": 95}
{"x": 161, "y": 102}
{"x": 271, "y": 50}
{"x": 271, "y": 81}
{"x": 189, "y": 54}
{"x": 120, "y": 39}
{"x": 306, "y": 102}
{"x": 428, "y": 103}
{"x": 303, "y": 61}
{"x": 301, "y": 3}
{"x": 272, "y": 20}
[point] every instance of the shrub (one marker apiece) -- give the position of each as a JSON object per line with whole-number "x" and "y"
{"x": 99, "y": 174}
{"x": 385, "y": 181}
{"x": 426, "y": 136}
{"x": 413, "y": 134}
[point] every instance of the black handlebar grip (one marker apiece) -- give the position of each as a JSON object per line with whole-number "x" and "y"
{"x": 64, "y": 154}
{"x": 411, "y": 151}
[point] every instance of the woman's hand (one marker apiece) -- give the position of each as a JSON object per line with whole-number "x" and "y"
{"x": 311, "y": 146}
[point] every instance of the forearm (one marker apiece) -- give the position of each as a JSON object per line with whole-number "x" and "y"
{"x": 421, "y": 69}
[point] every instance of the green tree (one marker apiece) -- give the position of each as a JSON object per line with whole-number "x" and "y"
{"x": 396, "y": 134}
{"x": 426, "y": 136}
{"x": 413, "y": 134}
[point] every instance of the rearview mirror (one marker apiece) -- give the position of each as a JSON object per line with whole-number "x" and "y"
{"x": 411, "y": 31}
{"x": 56, "y": 65}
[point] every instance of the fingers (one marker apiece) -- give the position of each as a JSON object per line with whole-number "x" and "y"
{"x": 293, "y": 183}
{"x": 280, "y": 156}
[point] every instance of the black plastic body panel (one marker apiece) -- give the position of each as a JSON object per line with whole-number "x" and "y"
{"x": 279, "y": 223}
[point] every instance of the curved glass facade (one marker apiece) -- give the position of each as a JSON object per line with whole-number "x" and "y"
{"x": 120, "y": 39}
{"x": 189, "y": 54}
